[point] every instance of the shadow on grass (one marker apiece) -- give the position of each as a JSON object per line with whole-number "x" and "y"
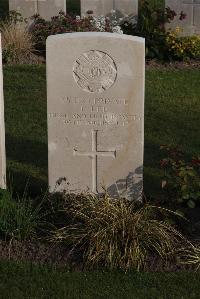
{"x": 27, "y": 162}
{"x": 152, "y": 172}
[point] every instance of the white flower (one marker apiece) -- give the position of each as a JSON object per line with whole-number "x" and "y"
{"x": 117, "y": 29}
{"x": 100, "y": 23}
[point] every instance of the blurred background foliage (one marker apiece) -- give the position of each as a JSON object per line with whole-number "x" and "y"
{"x": 73, "y": 6}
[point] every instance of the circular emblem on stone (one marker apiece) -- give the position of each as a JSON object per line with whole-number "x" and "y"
{"x": 95, "y": 71}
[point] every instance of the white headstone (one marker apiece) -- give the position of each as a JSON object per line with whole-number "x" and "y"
{"x": 95, "y": 84}
{"x": 191, "y": 24}
{"x": 2, "y": 129}
{"x": 104, "y": 7}
{"x": 45, "y": 8}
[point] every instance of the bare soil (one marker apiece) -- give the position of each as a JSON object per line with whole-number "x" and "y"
{"x": 59, "y": 256}
{"x": 39, "y": 253}
{"x": 175, "y": 65}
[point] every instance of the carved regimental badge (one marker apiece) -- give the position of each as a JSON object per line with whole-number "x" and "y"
{"x": 95, "y": 71}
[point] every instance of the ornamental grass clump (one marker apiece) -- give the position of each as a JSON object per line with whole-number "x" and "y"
{"x": 17, "y": 42}
{"x": 116, "y": 233}
{"x": 190, "y": 256}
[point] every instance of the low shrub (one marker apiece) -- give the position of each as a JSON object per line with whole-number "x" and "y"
{"x": 181, "y": 178}
{"x": 161, "y": 43}
{"x": 63, "y": 23}
{"x": 116, "y": 233}
{"x": 151, "y": 25}
{"x": 183, "y": 48}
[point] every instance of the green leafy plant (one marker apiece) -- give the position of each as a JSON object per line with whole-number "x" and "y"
{"x": 116, "y": 233}
{"x": 151, "y": 25}
{"x": 181, "y": 178}
{"x": 15, "y": 17}
{"x": 183, "y": 48}
{"x": 20, "y": 219}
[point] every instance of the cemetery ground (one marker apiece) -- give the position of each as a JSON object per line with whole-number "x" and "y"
{"x": 27, "y": 281}
{"x": 172, "y": 110}
{"x": 33, "y": 263}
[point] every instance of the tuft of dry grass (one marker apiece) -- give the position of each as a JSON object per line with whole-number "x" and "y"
{"x": 17, "y": 43}
{"x": 117, "y": 233}
{"x": 190, "y": 255}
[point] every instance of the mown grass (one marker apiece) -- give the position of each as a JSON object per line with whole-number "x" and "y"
{"x": 172, "y": 110}
{"x": 26, "y": 126}
{"x": 28, "y": 281}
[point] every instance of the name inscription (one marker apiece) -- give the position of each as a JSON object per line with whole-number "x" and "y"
{"x": 95, "y": 112}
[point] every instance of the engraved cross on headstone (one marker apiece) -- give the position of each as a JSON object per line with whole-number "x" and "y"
{"x": 94, "y": 154}
{"x": 194, "y": 4}
{"x": 36, "y": 4}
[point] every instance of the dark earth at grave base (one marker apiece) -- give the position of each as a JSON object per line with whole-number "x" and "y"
{"x": 174, "y": 65}
{"x": 54, "y": 255}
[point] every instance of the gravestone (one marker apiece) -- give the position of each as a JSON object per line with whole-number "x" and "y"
{"x": 45, "y": 8}
{"x": 95, "y": 84}
{"x": 104, "y": 7}
{"x": 191, "y": 24}
{"x": 2, "y": 129}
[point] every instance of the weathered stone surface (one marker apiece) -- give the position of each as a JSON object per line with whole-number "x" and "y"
{"x": 191, "y": 24}
{"x": 95, "y": 85}
{"x": 2, "y": 129}
{"x": 45, "y": 8}
{"x": 104, "y": 7}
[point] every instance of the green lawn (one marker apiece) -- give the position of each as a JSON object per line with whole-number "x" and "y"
{"x": 26, "y": 281}
{"x": 26, "y": 126}
{"x": 172, "y": 111}
{"x": 172, "y": 116}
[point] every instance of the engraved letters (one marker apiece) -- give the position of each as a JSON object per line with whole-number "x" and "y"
{"x": 96, "y": 112}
